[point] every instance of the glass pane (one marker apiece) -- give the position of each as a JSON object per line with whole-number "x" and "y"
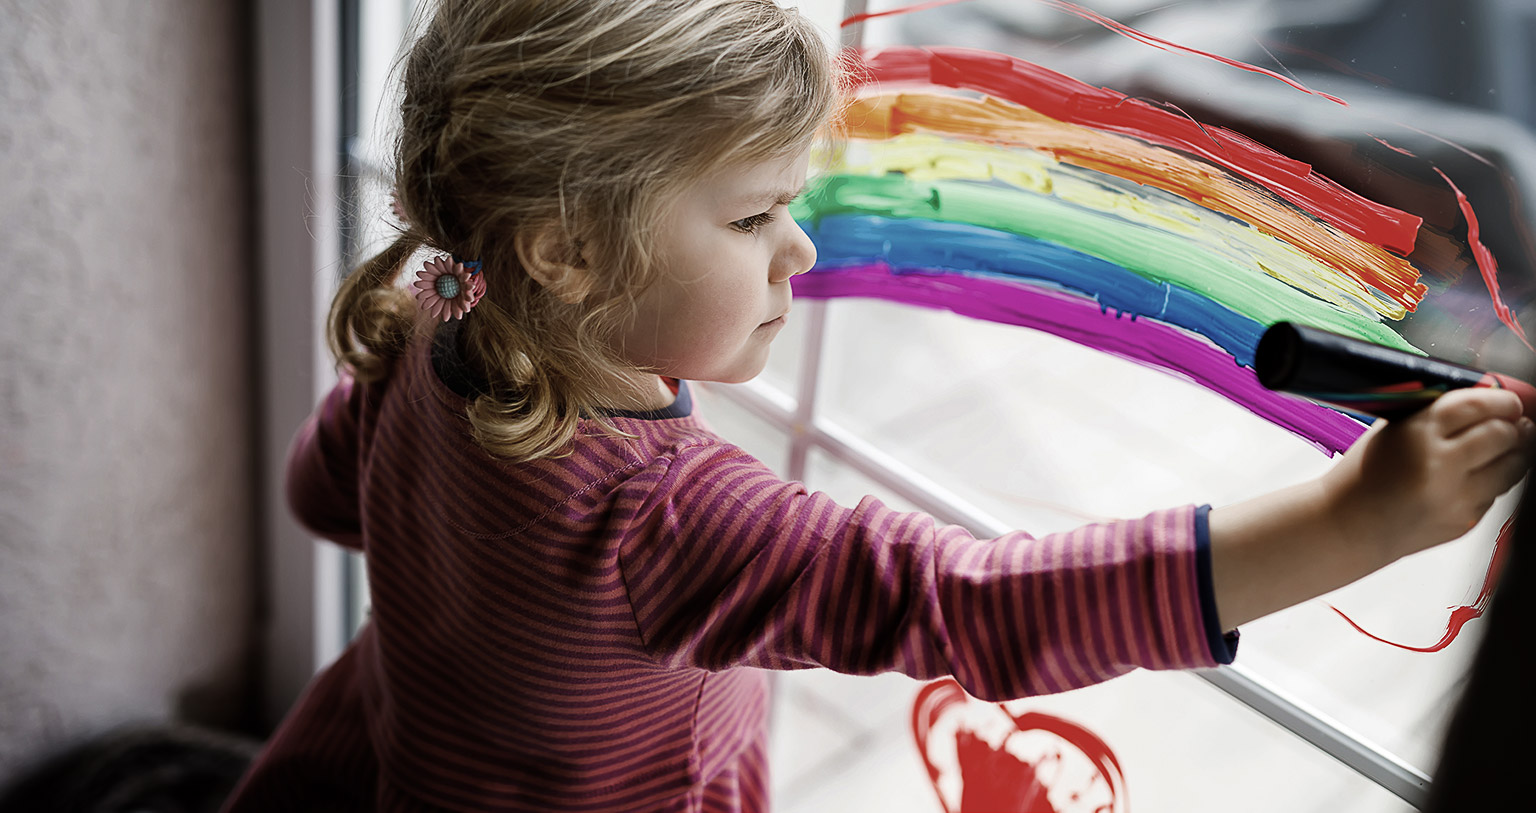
{"x": 851, "y": 743}
{"x": 1013, "y": 421}
{"x": 1046, "y": 433}
{"x": 730, "y": 420}
{"x": 845, "y": 484}
{"x": 1042, "y": 433}
{"x": 845, "y": 743}
{"x": 382, "y": 28}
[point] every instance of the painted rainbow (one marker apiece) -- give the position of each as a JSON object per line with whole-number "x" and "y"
{"x": 1030, "y": 198}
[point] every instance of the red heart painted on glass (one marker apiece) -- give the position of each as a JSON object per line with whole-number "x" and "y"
{"x": 983, "y": 758}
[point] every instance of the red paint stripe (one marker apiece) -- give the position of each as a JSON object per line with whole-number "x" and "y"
{"x": 859, "y": 18}
{"x": 1158, "y": 42}
{"x": 1066, "y": 99}
{"x": 1383, "y": 142}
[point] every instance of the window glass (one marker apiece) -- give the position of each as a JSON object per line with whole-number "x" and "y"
{"x": 1044, "y": 434}
{"x": 872, "y": 743}
{"x": 1034, "y": 431}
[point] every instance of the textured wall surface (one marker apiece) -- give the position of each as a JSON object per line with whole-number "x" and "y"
{"x": 126, "y": 572}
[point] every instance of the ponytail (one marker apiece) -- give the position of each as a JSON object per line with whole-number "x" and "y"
{"x": 371, "y": 319}
{"x": 538, "y": 389}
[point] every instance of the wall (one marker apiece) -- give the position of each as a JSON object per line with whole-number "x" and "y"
{"x": 126, "y": 515}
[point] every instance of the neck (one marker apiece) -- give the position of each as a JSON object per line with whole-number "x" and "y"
{"x": 643, "y": 392}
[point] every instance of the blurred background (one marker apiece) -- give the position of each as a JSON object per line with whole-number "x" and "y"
{"x": 188, "y": 180}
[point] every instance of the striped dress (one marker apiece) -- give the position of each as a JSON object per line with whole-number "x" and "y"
{"x": 590, "y": 633}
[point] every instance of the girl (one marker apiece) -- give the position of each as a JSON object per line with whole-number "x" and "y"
{"x": 575, "y": 583}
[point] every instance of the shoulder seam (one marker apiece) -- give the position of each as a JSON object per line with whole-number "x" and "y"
{"x": 629, "y": 599}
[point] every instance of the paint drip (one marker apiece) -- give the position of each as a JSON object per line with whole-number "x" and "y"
{"x": 1459, "y": 615}
{"x": 1041, "y": 763}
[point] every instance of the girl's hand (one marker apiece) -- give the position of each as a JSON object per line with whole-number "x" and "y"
{"x": 1412, "y": 484}
{"x": 1404, "y": 486}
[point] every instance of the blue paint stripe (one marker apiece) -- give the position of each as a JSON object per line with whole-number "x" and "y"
{"x": 908, "y": 244}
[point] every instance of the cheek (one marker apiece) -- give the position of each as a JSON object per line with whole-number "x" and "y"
{"x": 675, "y": 323}
{"x": 697, "y": 324}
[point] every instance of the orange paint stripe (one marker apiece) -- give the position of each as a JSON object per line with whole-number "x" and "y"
{"x": 996, "y": 121}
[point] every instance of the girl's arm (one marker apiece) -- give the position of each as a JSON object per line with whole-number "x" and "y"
{"x": 1403, "y": 487}
{"x": 724, "y": 564}
{"x": 321, "y": 481}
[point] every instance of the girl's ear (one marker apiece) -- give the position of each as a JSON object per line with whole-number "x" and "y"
{"x": 554, "y": 260}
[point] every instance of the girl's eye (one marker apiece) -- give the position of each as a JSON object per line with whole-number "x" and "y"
{"x": 750, "y": 225}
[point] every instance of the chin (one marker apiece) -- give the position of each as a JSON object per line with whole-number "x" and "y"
{"x": 742, "y": 373}
{"x": 736, "y": 378}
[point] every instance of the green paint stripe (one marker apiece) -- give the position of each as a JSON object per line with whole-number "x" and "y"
{"x": 1147, "y": 252}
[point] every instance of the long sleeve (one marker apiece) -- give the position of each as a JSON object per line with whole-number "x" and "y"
{"x": 322, "y": 472}
{"x": 729, "y": 565}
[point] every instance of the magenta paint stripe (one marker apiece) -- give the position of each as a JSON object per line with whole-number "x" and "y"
{"x": 1142, "y": 340}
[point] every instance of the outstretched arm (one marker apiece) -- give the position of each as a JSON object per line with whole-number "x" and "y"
{"x": 1403, "y": 487}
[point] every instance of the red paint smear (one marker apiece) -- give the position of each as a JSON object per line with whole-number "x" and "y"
{"x": 1066, "y": 99}
{"x": 1486, "y": 264}
{"x": 1461, "y": 615}
{"x": 994, "y": 780}
{"x": 1158, "y": 42}
{"x": 1453, "y": 145}
{"x": 1393, "y": 147}
{"x": 859, "y": 18}
{"x": 1324, "y": 59}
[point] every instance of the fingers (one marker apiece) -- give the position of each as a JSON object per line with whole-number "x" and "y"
{"x": 1486, "y": 441}
{"x": 1502, "y": 469}
{"x": 1459, "y": 410}
{"x": 1502, "y": 473}
{"x": 1516, "y": 461}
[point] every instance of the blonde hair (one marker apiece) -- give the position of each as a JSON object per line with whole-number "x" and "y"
{"x": 586, "y": 117}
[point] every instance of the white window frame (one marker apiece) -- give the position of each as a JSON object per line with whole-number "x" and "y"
{"x": 297, "y": 54}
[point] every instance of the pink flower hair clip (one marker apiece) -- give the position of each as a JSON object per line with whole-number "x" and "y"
{"x": 448, "y": 290}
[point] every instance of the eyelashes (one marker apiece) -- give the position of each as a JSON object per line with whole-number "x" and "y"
{"x": 750, "y": 225}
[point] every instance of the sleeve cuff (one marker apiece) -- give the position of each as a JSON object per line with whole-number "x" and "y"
{"x": 1223, "y": 645}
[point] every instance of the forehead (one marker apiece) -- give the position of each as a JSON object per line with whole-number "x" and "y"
{"x": 762, "y": 181}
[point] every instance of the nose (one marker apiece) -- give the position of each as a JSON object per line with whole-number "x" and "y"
{"x": 796, "y": 256}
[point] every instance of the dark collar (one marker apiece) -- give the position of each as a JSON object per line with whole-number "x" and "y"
{"x": 457, "y": 376}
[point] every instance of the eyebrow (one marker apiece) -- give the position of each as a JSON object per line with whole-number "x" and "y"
{"x": 779, "y": 197}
